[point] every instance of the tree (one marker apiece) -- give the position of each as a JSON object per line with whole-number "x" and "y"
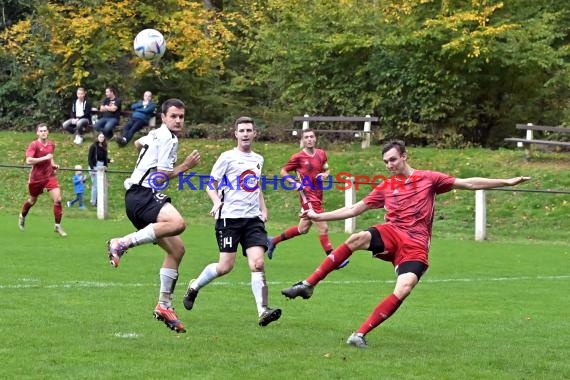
{"x": 65, "y": 45}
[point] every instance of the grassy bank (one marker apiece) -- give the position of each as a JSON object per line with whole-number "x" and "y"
{"x": 511, "y": 215}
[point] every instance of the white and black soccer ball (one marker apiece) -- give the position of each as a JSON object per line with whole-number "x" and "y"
{"x": 149, "y": 44}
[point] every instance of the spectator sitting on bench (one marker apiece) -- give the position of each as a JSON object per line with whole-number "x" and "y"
{"x": 143, "y": 111}
{"x": 109, "y": 113}
{"x": 80, "y": 116}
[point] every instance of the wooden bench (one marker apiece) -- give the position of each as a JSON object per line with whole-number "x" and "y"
{"x": 529, "y": 140}
{"x": 364, "y": 133}
{"x": 125, "y": 116}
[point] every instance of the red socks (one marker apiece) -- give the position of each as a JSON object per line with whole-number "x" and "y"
{"x": 26, "y": 208}
{"x": 330, "y": 263}
{"x": 326, "y": 243}
{"x": 57, "y": 212}
{"x": 289, "y": 233}
{"x": 383, "y": 311}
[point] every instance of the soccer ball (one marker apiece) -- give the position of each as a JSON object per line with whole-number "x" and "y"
{"x": 149, "y": 44}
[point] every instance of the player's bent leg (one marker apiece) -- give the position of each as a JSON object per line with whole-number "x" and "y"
{"x": 255, "y": 259}
{"x": 28, "y": 204}
{"x": 305, "y": 226}
{"x": 169, "y": 222}
{"x": 174, "y": 248}
{"x": 226, "y": 263}
{"x": 55, "y": 194}
{"x": 291, "y": 232}
{"x": 359, "y": 240}
{"x": 208, "y": 274}
{"x": 304, "y": 289}
{"x": 409, "y": 274}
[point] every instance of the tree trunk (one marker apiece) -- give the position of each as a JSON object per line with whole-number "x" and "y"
{"x": 214, "y": 5}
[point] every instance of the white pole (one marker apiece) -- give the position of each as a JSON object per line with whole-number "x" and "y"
{"x": 305, "y": 126}
{"x": 366, "y": 139}
{"x": 528, "y": 147}
{"x": 529, "y": 132}
{"x": 480, "y": 215}
{"x": 349, "y": 199}
{"x": 102, "y": 198}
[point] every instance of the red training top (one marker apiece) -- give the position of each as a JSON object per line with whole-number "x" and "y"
{"x": 410, "y": 202}
{"x": 42, "y": 170}
{"x": 308, "y": 166}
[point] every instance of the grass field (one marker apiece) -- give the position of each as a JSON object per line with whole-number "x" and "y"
{"x": 485, "y": 310}
{"x": 490, "y": 310}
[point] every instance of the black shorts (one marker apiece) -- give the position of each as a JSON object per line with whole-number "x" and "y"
{"x": 416, "y": 267}
{"x": 249, "y": 232}
{"x": 143, "y": 205}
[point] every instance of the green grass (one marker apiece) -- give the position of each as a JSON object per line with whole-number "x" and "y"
{"x": 485, "y": 310}
{"x": 512, "y": 215}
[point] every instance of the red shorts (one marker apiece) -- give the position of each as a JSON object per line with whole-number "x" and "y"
{"x": 317, "y": 207}
{"x": 400, "y": 246}
{"x": 37, "y": 187}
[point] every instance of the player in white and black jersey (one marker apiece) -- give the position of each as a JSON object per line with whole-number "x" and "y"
{"x": 240, "y": 212}
{"x": 150, "y": 211}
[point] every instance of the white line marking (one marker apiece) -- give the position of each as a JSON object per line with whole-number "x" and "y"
{"x": 128, "y": 335}
{"x": 98, "y": 284}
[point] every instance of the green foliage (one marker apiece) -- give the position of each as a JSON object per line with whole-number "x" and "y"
{"x": 436, "y": 75}
{"x": 451, "y": 73}
{"x": 65, "y": 45}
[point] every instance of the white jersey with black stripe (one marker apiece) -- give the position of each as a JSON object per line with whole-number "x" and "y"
{"x": 238, "y": 175}
{"x": 158, "y": 153}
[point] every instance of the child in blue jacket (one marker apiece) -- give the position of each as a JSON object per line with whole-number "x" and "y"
{"x": 78, "y": 187}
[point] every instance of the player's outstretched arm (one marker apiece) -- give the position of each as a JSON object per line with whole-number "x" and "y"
{"x": 338, "y": 214}
{"x": 478, "y": 183}
{"x": 189, "y": 162}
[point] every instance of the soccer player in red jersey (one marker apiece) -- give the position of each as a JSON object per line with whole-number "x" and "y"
{"x": 403, "y": 239}
{"x": 40, "y": 155}
{"x": 311, "y": 169}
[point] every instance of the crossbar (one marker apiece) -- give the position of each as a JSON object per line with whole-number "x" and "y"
{"x": 540, "y": 142}
{"x": 544, "y": 128}
{"x": 337, "y": 118}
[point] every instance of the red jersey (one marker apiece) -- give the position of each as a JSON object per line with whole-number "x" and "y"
{"x": 43, "y": 170}
{"x": 308, "y": 166}
{"x": 410, "y": 202}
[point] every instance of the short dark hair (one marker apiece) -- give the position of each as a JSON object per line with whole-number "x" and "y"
{"x": 177, "y": 103}
{"x": 398, "y": 144}
{"x": 41, "y": 125}
{"x": 113, "y": 90}
{"x": 307, "y": 130}
{"x": 244, "y": 120}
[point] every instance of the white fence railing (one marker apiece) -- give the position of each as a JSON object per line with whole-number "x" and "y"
{"x": 349, "y": 200}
